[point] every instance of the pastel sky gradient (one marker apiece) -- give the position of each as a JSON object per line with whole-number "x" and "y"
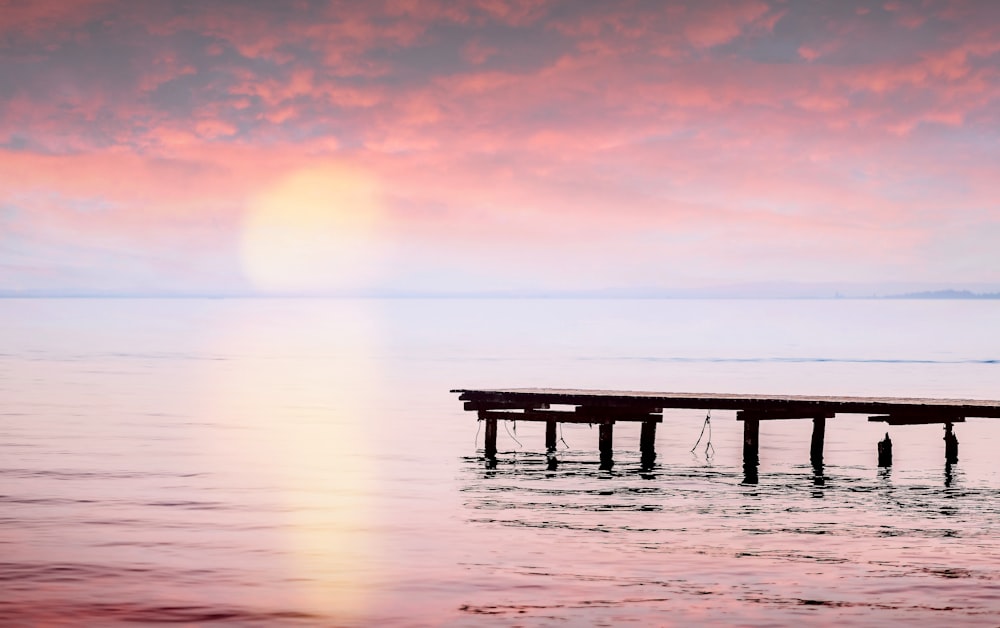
{"x": 412, "y": 146}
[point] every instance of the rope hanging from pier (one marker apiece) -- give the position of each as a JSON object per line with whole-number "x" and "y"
{"x": 561, "y": 437}
{"x": 709, "y": 449}
{"x": 512, "y": 435}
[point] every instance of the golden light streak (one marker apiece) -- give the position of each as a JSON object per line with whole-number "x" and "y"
{"x": 297, "y": 397}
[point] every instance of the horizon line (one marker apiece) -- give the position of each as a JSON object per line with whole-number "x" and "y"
{"x": 923, "y": 295}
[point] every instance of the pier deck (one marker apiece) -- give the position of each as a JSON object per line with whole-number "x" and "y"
{"x": 606, "y": 407}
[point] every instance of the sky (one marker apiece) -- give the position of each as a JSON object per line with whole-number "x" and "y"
{"x": 408, "y": 147}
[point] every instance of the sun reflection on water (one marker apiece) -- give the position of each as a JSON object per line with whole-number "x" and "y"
{"x": 299, "y": 426}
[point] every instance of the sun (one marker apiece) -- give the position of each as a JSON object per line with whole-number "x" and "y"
{"x": 314, "y": 230}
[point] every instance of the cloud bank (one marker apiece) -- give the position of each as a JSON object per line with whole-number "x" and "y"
{"x": 503, "y": 144}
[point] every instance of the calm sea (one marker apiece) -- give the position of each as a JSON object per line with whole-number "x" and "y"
{"x": 302, "y": 462}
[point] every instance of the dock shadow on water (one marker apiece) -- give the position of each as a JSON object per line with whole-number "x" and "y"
{"x": 701, "y": 542}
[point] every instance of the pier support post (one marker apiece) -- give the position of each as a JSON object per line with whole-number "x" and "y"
{"x": 950, "y": 444}
{"x": 885, "y": 451}
{"x": 606, "y": 431}
{"x": 647, "y": 443}
{"x": 816, "y": 445}
{"x": 550, "y": 436}
{"x": 491, "y": 438}
{"x": 751, "y": 436}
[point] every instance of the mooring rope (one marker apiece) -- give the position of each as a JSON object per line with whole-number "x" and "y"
{"x": 561, "y": 436}
{"x": 512, "y": 435}
{"x": 479, "y": 426}
{"x": 709, "y": 449}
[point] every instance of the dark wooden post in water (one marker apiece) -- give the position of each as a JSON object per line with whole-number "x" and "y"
{"x": 647, "y": 443}
{"x": 950, "y": 444}
{"x": 606, "y": 431}
{"x": 751, "y": 437}
{"x": 885, "y": 451}
{"x": 491, "y": 438}
{"x": 816, "y": 446}
{"x": 550, "y": 436}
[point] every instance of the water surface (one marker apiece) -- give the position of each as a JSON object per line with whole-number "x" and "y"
{"x": 301, "y": 462}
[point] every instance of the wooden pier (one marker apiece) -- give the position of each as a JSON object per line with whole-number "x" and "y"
{"x": 606, "y": 408}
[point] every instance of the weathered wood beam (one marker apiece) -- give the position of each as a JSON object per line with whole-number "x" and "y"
{"x": 620, "y": 414}
{"x": 782, "y": 415}
{"x": 503, "y": 405}
{"x": 612, "y": 409}
{"x": 562, "y": 417}
{"x": 895, "y": 419}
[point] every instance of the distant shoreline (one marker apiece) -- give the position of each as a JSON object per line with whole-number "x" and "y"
{"x": 946, "y": 294}
{"x": 928, "y": 295}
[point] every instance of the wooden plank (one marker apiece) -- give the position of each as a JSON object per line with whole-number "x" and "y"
{"x": 563, "y": 417}
{"x": 616, "y": 411}
{"x": 503, "y": 405}
{"x": 915, "y": 420}
{"x": 782, "y": 415}
{"x": 726, "y": 401}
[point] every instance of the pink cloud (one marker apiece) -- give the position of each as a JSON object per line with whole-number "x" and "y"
{"x": 33, "y": 18}
{"x": 477, "y": 53}
{"x": 719, "y": 23}
{"x": 809, "y": 54}
{"x": 627, "y": 129}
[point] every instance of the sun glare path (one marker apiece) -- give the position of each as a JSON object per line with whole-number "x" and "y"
{"x": 298, "y": 428}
